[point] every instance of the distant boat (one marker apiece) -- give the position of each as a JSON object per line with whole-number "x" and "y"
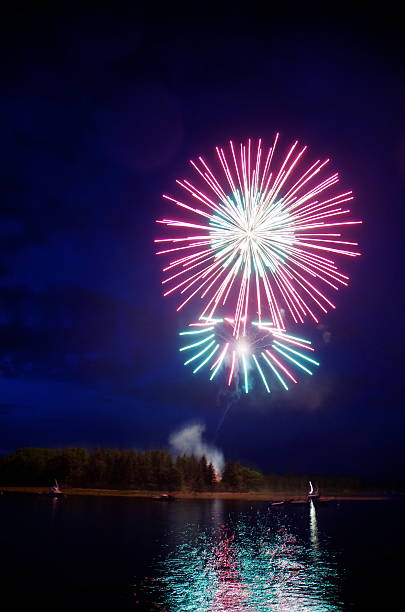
{"x": 164, "y": 497}
{"x": 54, "y": 491}
{"x": 313, "y": 494}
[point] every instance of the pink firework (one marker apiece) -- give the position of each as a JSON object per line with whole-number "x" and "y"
{"x": 258, "y": 236}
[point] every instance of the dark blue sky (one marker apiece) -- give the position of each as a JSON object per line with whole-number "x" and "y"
{"x": 101, "y": 112}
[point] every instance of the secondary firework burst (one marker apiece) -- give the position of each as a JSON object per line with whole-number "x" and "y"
{"x": 259, "y": 237}
{"x": 263, "y": 350}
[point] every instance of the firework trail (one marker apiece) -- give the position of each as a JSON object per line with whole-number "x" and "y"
{"x": 258, "y": 237}
{"x": 230, "y": 399}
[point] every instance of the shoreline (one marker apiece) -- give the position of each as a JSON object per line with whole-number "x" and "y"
{"x": 292, "y": 495}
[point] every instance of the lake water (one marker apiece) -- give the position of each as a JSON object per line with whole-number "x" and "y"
{"x": 200, "y": 555}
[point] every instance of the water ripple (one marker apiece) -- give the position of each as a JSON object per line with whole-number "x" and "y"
{"x": 252, "y": 561}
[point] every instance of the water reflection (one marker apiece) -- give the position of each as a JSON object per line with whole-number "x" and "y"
{"x": 251, "y": 561}
{"x": 54, "y": 508}
{"x": 313, "y": 525}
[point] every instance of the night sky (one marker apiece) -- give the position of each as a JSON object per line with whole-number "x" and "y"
{"x": 101, "y": 112}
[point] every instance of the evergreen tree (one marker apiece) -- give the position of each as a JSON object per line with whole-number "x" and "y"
{"x": 230, "y": 475}
{"x": 98, "y": 466}
{"x": 211, "y": 478}
{"x": 78, "y": 461}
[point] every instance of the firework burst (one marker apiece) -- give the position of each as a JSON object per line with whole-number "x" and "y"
{"x": 263, "y": 350}
{"x": 258, "y": 238}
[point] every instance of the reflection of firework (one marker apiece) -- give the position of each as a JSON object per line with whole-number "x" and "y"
{"x": 260, "y": 236}
{"x": 263, "y": 349}
{"x": 253, "y": 561}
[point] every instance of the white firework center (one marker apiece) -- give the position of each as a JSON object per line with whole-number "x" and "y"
{"x": 251, "y": 233}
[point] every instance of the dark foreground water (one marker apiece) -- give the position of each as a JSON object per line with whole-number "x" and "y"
{"x": 206, "y": 555}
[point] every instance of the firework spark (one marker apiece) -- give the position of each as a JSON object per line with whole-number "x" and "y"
{"x": 259, "y": 237}
{"x": 262, "y": 350}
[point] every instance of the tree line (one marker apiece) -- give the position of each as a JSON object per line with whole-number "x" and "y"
{"x": 126, "y": 469}
{"x": 158, "y": 470}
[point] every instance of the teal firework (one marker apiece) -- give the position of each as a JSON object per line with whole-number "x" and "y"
{"x": 265, "y": 353}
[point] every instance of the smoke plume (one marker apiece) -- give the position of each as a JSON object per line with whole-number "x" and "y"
{"x": 189, "y": 441}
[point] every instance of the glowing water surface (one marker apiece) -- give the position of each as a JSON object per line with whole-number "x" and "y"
{"x": 97, "y": 553}
{"x": 251, "y": 560}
